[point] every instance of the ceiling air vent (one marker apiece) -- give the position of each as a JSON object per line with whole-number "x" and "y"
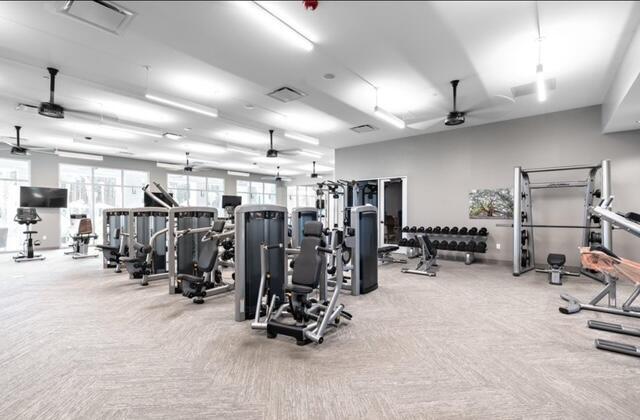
{"x": 530, "y": 88}
{"x": 104, "y": 15}
{"x": 365, "y": 128}
{"x": 286, "y": 94}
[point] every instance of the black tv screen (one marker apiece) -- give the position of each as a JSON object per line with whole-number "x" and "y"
{"x": 43, "y": 197}
{"x": 231, "y": 201}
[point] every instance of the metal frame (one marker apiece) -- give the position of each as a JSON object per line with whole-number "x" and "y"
{"x": 138, "y": 212}
{"x": 106, "y": 231}
{"x": 296, "y": 233}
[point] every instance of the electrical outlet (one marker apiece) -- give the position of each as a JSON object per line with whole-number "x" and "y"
{"x": 497, "y": 246}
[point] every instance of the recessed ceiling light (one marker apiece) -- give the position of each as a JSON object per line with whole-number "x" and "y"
{"x": 172, "y": 136}
{"x": 301, "y": 137}
{"x": 329, "y": 76}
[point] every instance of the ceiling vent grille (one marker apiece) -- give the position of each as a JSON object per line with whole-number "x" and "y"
{"x": 286, "y": 94}
{"x": 530, "y": 88}
{"x": 365, "y": 128}
{"x": 100, "y": 14}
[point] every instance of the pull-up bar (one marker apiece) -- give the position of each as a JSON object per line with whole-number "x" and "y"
{"x": 562, "y": 168}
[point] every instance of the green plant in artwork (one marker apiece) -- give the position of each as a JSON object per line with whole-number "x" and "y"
{"x": 491, "y": 204}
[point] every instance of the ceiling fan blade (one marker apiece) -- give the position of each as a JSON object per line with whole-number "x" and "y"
{"x": 90, "y": 115}
{"x": 7, "y": 143}
{"x": 170, "y": 166}
{"x": 502, "y": 101}
{"x": 424, "y": 124}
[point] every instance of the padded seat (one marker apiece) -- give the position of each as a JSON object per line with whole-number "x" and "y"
{"x": 388, "y": 248}
{"x": 633, "y": 216}
{"x": 556, "y": 260}
{"x": 191, "y": 279}
{"x": 299, "y": 289}
{"x": 108, "y": 248}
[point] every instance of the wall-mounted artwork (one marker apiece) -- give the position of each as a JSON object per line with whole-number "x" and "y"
{"x": 491, "y": 204}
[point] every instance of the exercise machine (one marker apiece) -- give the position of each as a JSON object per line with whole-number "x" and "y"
{"x": 299, "y": 217}
{"x": 116, "y": 241}
{"x": 82, "y": 238}
{"x": 556, "y": 269}
{"x": 28, "y": 216}
{"x": 593, "y": 229}
{"x": 256, "y": 225}
{"x": 148, "y": 257}
{"x": 427, "y": 263}
{"x": 311, "y": 318}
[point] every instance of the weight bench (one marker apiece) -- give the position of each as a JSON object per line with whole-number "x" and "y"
{"x": 384, "y": 254}
{"x": 427, "y": 258}
{"x": 556, "y": 269}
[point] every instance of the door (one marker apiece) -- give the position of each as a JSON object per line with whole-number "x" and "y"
{"x": 391, "y": 209}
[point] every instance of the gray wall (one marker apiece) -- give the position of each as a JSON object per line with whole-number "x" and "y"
{"x": 443, "y": 167}
{"x": 44, "y": 173}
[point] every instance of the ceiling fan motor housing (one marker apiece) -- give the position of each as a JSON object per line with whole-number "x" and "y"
{"x": 51, "y": 110}
{"x": 454, "y": 118}
{"x": 272, "y": 153}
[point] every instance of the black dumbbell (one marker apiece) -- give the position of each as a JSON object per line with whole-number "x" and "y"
{"x": 402, "y": 242}
{"x": 405, "y": 229}
{"x": 483, "y": 231}
{"x": 597, "y": 193}
{"x": 429, "y": 230}
{"x": 444, "y": 245}
{"x": 436, "y": 244}
{"x": 525, "y": 258}
{"x": 413, "y": 229}
{"x": 445, "y": 230}
{"x": 462, "y": 246}
{"x": 524, "y": 237}
{"x": 453, "y": 245}
{"x": 413, "y": 242}
{"x": 463, "y": 231}
{"x": 421, "y": 229}
{"x": 481, "y": 247}
{"x": 227, "y": 243}
{"x": 454, "y": 230}
{"x": 471, "y": 246}
{"x": 437, "y": 229}
{"x": 473, "y": 231}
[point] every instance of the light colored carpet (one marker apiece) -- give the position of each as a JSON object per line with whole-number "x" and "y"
{"x": 473, "y": 342}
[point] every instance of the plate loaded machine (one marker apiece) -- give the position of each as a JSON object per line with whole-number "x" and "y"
{"x": 427, "y": 264}
{"x": 187, "y": 227}
{"x": 613, "y": 267}
{"x": 257, "y": 225}
{"x": 148, "y": 259}
{"x": 523, "y": 224}
{"x": 116, "y": 242}
{"x": 82, "y": 237}
{"x": 300, "y": 216}
{"x": 28, "y": 216}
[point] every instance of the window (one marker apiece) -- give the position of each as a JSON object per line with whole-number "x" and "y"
{"x": 191, "y": 190}
{"x": 14, "y": 173}
{"x": 91, "y": 190}
{"x": 256, "y": 192}
{"x": 301, "y": 196}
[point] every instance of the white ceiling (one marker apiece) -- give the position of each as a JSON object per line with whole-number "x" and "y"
{"x": 216, "y": 54}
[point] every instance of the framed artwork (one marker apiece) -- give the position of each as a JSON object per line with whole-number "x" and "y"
{"x": 491, "y": 204}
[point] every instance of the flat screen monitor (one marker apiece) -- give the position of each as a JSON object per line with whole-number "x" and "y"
{"x": 231, "y": 201}
{"x": 43, "y": 197}
{"x": 150, "y": 202}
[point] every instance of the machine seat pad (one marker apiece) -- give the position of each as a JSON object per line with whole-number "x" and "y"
{"x": 633, "y": 216}
{"x": 130, "y": 259}
{"x": 108, "y": 248}
{"x": 556, "y": 260}
{"x": 190, "y": 278}
{"x": 299, "y": 289}
{"x": 387, "y": 249}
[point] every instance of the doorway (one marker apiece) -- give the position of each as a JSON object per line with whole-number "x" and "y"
{"x": 392, "y": 202}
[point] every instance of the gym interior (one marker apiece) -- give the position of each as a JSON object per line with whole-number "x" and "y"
{"x": 319, "y": 209}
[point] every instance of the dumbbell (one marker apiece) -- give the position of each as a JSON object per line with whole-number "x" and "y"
{"x": 597, "y": 193}
{"x": 454, "y": 230}
{"x": 473, "y": 231}
{"x": 524, "y": 237}
{"x": 429, "y": 230}
{"x": 453, "y": 245}
{"x": 413, "y": 242}
{"x": 436, "y": 244}
{"x": 595, "y": 237}
{"x": 483, "y": 231}
{"x": 227, "y": 255}
{"x": 402, "y": 242}
{"x": 595, "y": 219}
{"x": 463, "y": 231}
{"x": 481, "y": 247}
{"x": 413, "y": 229}
{"x": 523, "y": 216}
{"x": 405, "y": 229}
{"x": 471, "y": 246}
{"x": 437, "y": 229}
{"x": 227, "y": 243}
{"x": 445, "y": 230}
{"x": 462, "y": 246}
{"x": 444, "y": 245}
{"x": 525, "y": 258}
{"x": 421, "y": 229}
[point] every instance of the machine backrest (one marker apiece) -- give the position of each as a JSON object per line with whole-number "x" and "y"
{"x": 85, "y": 227}
{"x": 432, "y": 250}
{"x": 309, "y": 263}
{"x": 26, "y": 215}
{"x": 207, "y": 255}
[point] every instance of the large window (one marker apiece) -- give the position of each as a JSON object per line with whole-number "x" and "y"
{"x": 256, "y": 192}
{"x": 191, "y": 190}
{"x": 91, "y": 190}
{"x": 14, "y": 173}
{"x": 301, "y": 196}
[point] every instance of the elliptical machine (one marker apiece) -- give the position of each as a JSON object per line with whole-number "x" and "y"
{"x": 28, "y": 216}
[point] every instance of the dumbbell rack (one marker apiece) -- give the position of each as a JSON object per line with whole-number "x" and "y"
{"x": 469, "y": 256}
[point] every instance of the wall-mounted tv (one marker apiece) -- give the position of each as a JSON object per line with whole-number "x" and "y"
{"x": 43, "y": 197}
{"x": 231, "y": 201}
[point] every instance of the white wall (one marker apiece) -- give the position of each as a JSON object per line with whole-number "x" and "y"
{"x": 443, "y": 167}
{"x": 45, "y": 173}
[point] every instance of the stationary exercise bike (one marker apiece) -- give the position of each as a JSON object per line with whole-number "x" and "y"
{"x": 28, "y": 216}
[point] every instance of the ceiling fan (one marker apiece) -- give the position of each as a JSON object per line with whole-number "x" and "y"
{"x": 189, "y": 166}
{"x": 495, "y": 106}
{"x": 52, "y": 109}
{"x": 18, "y": 149}
{"x": 273, "y": 153}
{"x": 276, "y": 178}
{"x": 314, "y": 174}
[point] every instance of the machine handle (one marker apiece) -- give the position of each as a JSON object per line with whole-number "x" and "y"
{"x": 272, "y": 246}
{"x": 324, "y": 249}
